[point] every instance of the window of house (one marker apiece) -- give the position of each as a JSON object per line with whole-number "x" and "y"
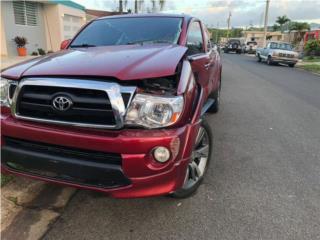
{"x": 195, "y": 39}
{"x": 25, "y": 13}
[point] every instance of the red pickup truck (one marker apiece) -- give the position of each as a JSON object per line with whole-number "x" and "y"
{"x": 120, "y": 109}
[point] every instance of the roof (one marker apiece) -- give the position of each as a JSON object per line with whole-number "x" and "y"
{"x": 69, "y": 4}
{"x": 100, "y": 13}
{"x": 261, "y": 32}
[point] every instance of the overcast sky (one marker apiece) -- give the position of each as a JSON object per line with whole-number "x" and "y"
{"x": 213, "y": 12}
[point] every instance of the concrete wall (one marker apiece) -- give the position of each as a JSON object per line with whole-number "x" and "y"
{"x": 52, "y": 30}
{"x": 34, "y": 34}
{"x": 3, "y": 49}
{"x": 53, "y": 16}
{"x": 259, "y": 35}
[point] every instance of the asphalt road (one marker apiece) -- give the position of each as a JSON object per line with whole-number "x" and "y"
{"x": 263, "y": 182}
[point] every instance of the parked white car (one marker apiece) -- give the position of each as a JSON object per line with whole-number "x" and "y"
{"x": 250, "y": 47}
{"x": 278, "y": 52}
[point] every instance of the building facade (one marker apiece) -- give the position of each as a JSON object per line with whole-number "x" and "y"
{"x": 45, "y": 24}
{"x": 258, "y": 36}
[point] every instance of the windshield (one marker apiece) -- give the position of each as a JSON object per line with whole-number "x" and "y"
{"x": 133, "y": 30}
{"x": 234, "y": 41}
{"x": 284, "y": 46}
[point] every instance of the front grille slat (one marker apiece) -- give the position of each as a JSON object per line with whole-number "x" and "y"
{"x": 89, "y": 106}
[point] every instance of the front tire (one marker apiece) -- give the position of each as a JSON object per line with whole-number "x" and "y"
{"x": 259, "y": 58}
{"x": 269, "y": 61}
{"x": 199, "y": 162}
{"x": 291, "y": 65}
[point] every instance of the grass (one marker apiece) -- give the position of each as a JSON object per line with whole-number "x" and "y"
{"x": 311, "y": 59}
{"x": 312, "y": 68}
{"x": 5, "y": 179}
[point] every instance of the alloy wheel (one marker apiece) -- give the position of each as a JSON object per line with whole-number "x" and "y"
{"x": 199, "y": 159}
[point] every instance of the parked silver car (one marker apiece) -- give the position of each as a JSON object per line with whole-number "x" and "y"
{"x": 278, "y": 52}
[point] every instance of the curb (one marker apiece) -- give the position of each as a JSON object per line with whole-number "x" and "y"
{"x": 29, "y": 207}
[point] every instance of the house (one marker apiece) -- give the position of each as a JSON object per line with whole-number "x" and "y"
{"x": 92, "y": 14}
{"x": 45, "y": 24}
{"x": 258, "y": 36}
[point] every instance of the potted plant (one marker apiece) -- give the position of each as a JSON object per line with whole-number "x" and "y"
{"x": 21, "y": 43}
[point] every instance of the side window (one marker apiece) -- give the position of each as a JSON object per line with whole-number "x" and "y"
{"x": 194, "y": 39}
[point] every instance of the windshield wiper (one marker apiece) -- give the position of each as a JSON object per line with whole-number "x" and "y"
{"x": 85, "y": 45}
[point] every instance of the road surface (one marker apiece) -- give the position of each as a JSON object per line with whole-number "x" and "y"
{"x": 263, "y": 181}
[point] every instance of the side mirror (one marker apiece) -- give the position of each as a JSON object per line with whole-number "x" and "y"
{"x": 64, "y": 44}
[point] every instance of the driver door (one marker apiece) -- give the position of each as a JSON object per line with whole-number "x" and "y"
{"x": 202, "y": 58}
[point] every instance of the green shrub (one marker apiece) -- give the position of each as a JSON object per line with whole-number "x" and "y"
{"x": 41, "y": 51}
{"x": 313, "y": 47}
{"x": 20, "y": 41}
{"x": 34, "y": 54}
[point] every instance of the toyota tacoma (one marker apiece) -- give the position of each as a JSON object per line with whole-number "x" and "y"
{"x": 120, "y": 109}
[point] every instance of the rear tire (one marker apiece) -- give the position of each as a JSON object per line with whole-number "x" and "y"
{"x": 199, "y": 162}
{"x": 291, "y": 65}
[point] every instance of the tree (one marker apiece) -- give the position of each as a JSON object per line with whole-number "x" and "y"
{"x": 281, "y": 20}
{"x": 300, "y": 27}
{"x": 275, "y": 27}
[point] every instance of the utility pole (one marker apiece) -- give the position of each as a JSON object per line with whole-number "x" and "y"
{"x": 217, "y": 33}
{"x": 228, "y": 21}
{"x": 266, "y": 23}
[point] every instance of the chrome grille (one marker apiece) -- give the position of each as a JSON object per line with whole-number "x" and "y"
{"x": 287, "y": 55}
{"x": 95, "y": 104}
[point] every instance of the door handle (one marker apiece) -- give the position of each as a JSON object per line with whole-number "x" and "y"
{"x": 208, "y": 65}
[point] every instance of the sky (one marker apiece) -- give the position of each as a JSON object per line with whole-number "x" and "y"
{"x": 215, "y": 12}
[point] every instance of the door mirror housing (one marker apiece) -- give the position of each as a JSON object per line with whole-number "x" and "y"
{"x": 64, "y": 44}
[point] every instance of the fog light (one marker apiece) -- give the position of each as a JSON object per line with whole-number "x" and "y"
{"x": 161, "y": 154}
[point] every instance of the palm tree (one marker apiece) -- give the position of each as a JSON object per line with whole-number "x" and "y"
{"x": 300, "y": 27}
{"x": 281, "y": 20}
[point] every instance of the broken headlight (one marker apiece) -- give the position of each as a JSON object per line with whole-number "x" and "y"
{"x": 154, "y": 111}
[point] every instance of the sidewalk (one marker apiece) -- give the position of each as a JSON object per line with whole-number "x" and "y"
{"x": 9, "y": 61}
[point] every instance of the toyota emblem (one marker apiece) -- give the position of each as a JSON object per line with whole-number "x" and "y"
{"x": 62, "y": 103}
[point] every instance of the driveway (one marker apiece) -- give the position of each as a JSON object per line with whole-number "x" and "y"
{"x": 263, "y": 181}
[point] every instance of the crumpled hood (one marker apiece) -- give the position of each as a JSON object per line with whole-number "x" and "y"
{"x": 122, "y": 62}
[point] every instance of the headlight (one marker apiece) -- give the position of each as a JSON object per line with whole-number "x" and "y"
{"x": 4, "y": 92}
{"x": 154, "y": 111}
